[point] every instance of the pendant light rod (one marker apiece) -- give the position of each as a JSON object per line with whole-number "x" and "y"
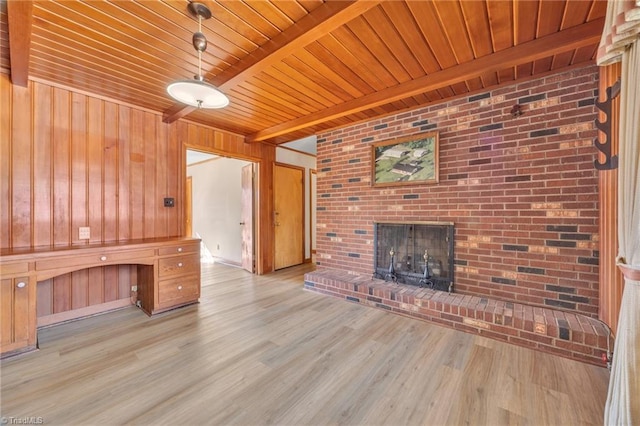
{"x": 197, "y": 47}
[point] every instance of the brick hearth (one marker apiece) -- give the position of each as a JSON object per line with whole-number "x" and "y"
{"x": 567, "y": 334}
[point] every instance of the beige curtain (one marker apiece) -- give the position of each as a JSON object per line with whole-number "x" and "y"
{"x": 620, "y": 42}
{"x": 621, "y": 28}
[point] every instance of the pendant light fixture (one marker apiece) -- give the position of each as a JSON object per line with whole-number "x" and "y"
{"x": 197, "y": 92}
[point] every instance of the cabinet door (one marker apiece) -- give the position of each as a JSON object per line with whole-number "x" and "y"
{"x": 17, "y": 317}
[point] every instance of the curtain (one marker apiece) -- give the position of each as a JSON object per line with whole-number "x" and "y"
{"x": 620, "y": 42}
{"x": 622, "y": 27}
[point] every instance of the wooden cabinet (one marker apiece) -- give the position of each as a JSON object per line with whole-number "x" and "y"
{"x": 168, "y": 277}
{"x": 17, "y": 314}
{"x": 178, "y": 281}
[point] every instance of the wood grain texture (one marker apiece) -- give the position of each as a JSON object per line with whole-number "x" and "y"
{"x": 288, "y": 215}
{"x": 536, "y": 50}
{"x": 260, "y": 350}
{"x": 167, "y": 275}
{"x": 20, "y": 17}
{"x": 74, "y": 160}
{"x": 17, "y": 320}
{"x": 5, "y": 163}
{"x": 611, "y": 280}
{"x": 69, "y": 160}
{"x": 265, "y": 56}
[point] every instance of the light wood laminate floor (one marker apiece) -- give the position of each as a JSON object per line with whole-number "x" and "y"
{"x": 261, "y": 350}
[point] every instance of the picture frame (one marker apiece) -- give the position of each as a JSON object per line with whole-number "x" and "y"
{"x": 408, "y": 160}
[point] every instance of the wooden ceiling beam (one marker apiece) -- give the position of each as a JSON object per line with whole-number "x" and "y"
{"x": 319, "y": 22}
{"x": 176, "y": 112}
{"x": 569, "y": 39}
{"x": 20, "y": 20}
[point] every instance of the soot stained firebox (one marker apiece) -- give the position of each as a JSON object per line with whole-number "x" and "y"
{"x": 419, "y": 253}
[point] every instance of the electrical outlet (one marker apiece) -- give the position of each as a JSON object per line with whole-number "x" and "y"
{"x": 134, "y": 288}
{"x": 169, "y": 202}
{"x": 84, "y": 233}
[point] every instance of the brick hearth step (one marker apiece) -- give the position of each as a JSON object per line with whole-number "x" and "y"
{"x": 558, "y": 332}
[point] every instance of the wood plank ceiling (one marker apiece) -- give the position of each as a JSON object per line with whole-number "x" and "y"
{"x": 294, "y": 68}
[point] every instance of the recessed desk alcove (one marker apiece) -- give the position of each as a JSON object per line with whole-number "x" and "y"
{"x": 168, "y": 276}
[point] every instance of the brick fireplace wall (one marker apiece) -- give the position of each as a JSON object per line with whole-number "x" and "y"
{"x": 522, "y": 191}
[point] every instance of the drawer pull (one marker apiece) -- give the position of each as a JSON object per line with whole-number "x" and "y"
{"x": 21, "y": 284}
{"x": 179, "y": 287}
{"x": 179, "y": 249}
{"x": 103, "y": 258}
{"x": 180, "y": 265}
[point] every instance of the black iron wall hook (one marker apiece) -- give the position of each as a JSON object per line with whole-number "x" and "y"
{"x": 611, "y": 161}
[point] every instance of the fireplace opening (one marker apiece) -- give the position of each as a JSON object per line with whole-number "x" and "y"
{"x": 418, "y": 253}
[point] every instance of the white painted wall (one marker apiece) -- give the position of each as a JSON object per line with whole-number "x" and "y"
{"x": 217, "y": 190}
{"x": 295, "y": 158}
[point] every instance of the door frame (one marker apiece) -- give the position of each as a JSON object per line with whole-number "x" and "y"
{"x": 243, "y": 212}
{"x": 188, "y": 208}
{"x": 257, "y": 162}
{"x": 312, "y": 211}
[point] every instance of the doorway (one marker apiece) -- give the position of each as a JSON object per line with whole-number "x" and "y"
{"x": 222, "y": 212}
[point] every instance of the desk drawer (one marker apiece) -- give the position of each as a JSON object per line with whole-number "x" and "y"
{"x": 183, "y": 265}
{"x": 187, "y": 247}
{"x": 14, "y": 268}
{"x": 91, "y": 260}
{"x": 178, "y": 290}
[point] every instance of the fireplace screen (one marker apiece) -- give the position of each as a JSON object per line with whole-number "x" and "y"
{"x": 417, "y": 253}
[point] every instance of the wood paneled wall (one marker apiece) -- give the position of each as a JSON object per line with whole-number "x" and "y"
{"x": 74, "y": 161}
{"x": 611, "y": 281}
{"x": 69, "y": 160}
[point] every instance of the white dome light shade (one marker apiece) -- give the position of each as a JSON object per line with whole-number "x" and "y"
{"x": 196, "y": 93}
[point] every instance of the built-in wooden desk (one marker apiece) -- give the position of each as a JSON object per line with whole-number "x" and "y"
{"x": 168, "y": 277}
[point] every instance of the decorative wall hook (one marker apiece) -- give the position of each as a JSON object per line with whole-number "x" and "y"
{"x": 610, "y": 161}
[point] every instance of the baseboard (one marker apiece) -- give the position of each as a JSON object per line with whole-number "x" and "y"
{"x": 227, "y": 262}
{"x": 52, "y": 319}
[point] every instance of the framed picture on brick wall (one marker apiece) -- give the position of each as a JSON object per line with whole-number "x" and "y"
{"x": 408, "y": 160}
